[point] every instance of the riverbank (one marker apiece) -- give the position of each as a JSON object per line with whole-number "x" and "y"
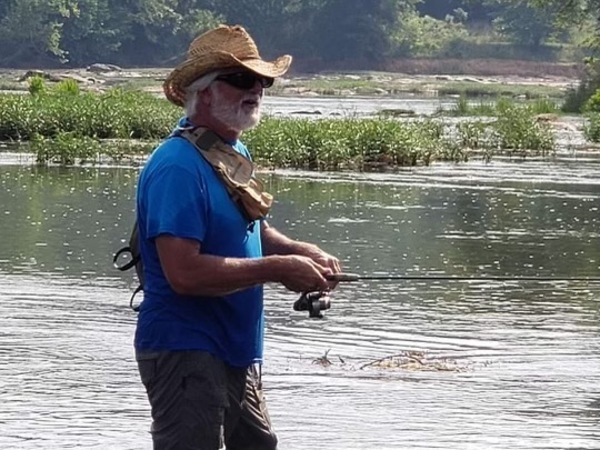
{"x": 527, "y": 80}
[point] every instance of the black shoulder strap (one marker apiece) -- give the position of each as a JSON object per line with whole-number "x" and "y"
{"x": 134, "y": 261}
{"x": 206, "y": 140}
{"x": 129, "y": 264}
{"x": 136, "y": 308}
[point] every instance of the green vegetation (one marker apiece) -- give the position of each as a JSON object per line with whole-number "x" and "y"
{"x": 37, "y": 86}
{"x": 67, "y": 149}
{"x": 66, "y": 127}
{"x": 591, "y": 109}
{"x": 115, "y": 114}
{"x": 320, "y": 34}
{"x": 349, "y": 144}
{"x": 592, "y": 128}
{"x": 354, "y": 33}
{"x": 494, "y": 90}
{"x": 589, "y": 84}
{"x": 515, "y": 131}
{"x": 498, "y": 108}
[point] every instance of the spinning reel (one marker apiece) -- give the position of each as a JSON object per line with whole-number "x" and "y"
{"x": 314, "y": 303}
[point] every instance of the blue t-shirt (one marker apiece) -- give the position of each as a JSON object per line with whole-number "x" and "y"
{"x": 180, "y": 194}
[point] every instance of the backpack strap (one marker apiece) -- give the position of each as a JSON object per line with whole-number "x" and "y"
{"x": 135, "y": 261}
{"x": 234, "y": 169}
{"x": 136, "y": 308}
{"x": 129, "y": 264}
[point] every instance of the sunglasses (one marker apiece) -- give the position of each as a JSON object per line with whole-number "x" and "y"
{"x": 245, "y": 80}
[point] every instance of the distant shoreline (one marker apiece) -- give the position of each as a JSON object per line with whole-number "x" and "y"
{"x": 473, "y": 67}
{"x": 414, "y": 66}
{"x": 473, "y": 78}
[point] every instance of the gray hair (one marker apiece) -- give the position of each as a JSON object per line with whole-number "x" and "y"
{"x": 191, "y": 92}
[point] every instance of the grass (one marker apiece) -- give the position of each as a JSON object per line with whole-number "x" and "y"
{"x": 494, "y": 90}
{"x": 465, "y": 108}
{"x": 67, "y": 127}
{"x": 115, "y": 114}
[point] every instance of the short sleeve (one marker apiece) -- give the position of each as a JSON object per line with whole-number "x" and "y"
{"x": 175, "y": 203}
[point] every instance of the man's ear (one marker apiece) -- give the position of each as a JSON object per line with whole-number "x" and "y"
{"x": 206, "y": 96}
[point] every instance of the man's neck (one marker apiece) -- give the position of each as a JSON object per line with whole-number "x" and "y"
{"x": 225, "y": 132}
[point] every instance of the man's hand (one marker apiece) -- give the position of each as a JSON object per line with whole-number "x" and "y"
{"x": 275, "y": 243}
{"x": 326, "y": 260}
{"x": 302, "y": 274}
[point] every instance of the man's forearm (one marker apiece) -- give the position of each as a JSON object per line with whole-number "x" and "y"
{"x": 191, "y": 272}
{"x": 215, "y": 276}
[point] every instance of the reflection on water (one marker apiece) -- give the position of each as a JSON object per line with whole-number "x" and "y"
{"x": 528, "y": 352}
{"x": 351, "y": 107}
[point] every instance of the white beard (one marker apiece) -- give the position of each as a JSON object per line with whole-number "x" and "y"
{"x": 233, "y": 115}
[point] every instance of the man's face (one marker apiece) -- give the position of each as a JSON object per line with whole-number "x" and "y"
{"x": 236, "y": 99}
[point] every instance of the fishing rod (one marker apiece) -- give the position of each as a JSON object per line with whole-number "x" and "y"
{"x": 350, "y": 277}
{"x": 318, "y": 301}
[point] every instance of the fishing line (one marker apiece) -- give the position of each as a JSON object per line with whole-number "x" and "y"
{"x": 315, "y": 302}
{"x": 350, "y": 277}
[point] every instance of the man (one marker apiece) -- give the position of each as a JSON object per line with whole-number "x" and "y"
{"x": 199, "y": 338}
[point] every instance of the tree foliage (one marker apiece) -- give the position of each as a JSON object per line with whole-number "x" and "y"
{"x": 425, "y": 35}
{"x": 157, "y": 32}
{"x": 355, "y": 29}
{"x": 524, "y": 23}
{"x": 33, "y": 28}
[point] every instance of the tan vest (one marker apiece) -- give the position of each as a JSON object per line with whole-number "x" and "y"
{"x": 234, "y": 169}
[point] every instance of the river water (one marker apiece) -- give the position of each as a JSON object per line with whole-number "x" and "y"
{"x": 352, "y": 106}
{"x": 504, "y": 364}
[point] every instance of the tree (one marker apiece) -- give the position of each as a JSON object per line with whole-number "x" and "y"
{"x": 523, "y": 23}
{"x": 439, "y": 10}
{"x": 570, "y": 10}
{"x": 133, "y": 32}
{"x": 31, "y": 30}
{"x": 358, "y": 30}
{"x": 425, "y": 35}
{"x": 268, "y": 21}
{"x": 578, "y": 12}
{"x": 94, "y": 32}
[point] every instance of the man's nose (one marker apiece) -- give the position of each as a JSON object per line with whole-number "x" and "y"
{"x": 257, "y": 88}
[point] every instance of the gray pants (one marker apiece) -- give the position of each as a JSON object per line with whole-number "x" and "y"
{"x": 200, "y": 403}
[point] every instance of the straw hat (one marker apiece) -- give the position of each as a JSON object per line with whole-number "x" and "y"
{"x": 220, "y": 48}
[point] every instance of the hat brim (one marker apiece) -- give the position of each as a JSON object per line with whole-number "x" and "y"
{"x": 192, "y": 69}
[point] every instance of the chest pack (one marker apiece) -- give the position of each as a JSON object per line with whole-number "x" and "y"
{"x": 237, "y": 174}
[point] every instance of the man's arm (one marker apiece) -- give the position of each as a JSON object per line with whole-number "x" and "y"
{"x": 190, "y": 272}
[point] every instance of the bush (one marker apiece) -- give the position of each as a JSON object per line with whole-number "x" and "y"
{"x": 67, "y": 129}
{"x": 425, "y": 36}
{"x": 351, "y": 144}
{"x": 517, "y": 131}
{"x": 65, "y": 149}
{"x": 68, "y": 87}
{"x": 37, "y": 85}
{"x": 592, "y": 105}
{"x": 112, "y": 115}
{"x": 589, "y": 84}
{"x": 592, "y": 127}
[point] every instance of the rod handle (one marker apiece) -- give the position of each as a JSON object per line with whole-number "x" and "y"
{"x": 341, "y": 277}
